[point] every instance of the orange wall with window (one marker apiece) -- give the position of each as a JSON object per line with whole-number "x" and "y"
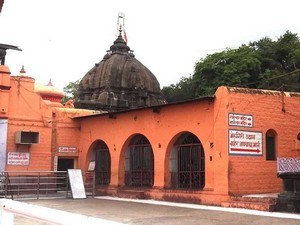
{"x": 208, "y": 120}
{"x": 22, "y": 106}
{"x": 25, "y": 111}
{"x": 272, "y": 110}
{"x": 161, "y": 129}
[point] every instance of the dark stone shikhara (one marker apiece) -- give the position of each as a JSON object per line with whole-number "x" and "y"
{"x": 118, "y": 82}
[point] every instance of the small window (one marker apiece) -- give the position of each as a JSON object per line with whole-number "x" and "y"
{"x": 26, "y": 137}
{"x": 271, "y": 137}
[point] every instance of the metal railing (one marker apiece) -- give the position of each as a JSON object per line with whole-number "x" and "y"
{"x": 37, "y": 184}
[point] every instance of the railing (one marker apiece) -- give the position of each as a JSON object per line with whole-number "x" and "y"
{"x": 139, "y": 178}
{"x": 187, "y": 180}
{"x": 36, "y": 184}
{"x": 9, "y": 208}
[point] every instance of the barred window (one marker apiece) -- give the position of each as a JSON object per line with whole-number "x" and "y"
{"x": 271, "y": 142}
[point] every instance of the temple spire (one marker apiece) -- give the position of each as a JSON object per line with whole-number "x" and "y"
{"x": 49, "y": 83}
{"x": 22, "y": 70}
{"x": 121, "y": 26}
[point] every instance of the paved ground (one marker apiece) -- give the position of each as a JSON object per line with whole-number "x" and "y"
{"x": 148, "y": 212}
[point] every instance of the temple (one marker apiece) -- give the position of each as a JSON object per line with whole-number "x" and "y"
{"x": 118, "y": 82}
{"x": 209, "y": 150}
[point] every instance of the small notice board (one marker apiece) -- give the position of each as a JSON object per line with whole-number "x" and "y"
{"x": 76, "y": 183}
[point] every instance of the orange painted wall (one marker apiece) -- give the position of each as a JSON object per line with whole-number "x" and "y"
{"x": 4, "y": 90}
{"x": 66, "y": 131}
{"x": 206, "y": 118}
{"x": 225, "y": 174}
{"x": 250, "y": 174}
{"x": 26, "y": 111}
{"x": 161, "y": 129}
{"x": 220, "y": 132}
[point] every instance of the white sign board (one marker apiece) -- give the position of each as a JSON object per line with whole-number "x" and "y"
{"x": 245, "y": 143}
{"x": 240, "y": 120}
{"x": 76, "y": 183}
{"x": 67, "y": 149}
{"x": 55, "y": 163}
{"x": 18, "y": 158}
{"x": 3, "y": 143}
{"x": 91, "y": 166}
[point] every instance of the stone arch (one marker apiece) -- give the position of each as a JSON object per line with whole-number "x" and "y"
{"x": 136, "y": 167}
{"x": 99, "y": 154}
{"x": 185, "y": 162}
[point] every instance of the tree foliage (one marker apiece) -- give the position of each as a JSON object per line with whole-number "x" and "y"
{"x": 263, "y": 64}
{"x": 70, "y": 90}
{"x": 181, "y": 91}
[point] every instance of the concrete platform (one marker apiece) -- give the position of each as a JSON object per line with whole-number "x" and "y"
{"x": 148, "y": 212}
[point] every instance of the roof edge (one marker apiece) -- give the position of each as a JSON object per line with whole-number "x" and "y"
{"x": 155, "y": 108}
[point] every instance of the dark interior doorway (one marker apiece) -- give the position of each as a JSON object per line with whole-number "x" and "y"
{"x": 64, "y": 164}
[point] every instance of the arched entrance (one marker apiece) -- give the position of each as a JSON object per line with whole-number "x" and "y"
{"x": 139, "y": 163}
{"x": 187, "y": 163}
{"x": 102, "y": 163}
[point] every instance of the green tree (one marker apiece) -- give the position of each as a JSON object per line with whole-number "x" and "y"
{"x": 70, "y": 90}
{"x": 264, "y": 64}
{"x": 231, "y": 67}
{"x": 281, "y": 63}
{"x": 183, "y": 90}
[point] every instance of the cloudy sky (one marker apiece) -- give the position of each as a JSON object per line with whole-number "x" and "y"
{"x": 63, "y": 39}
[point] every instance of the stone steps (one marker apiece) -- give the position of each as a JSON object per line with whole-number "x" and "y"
{"x": 256, "y": 203}
{"x": 132, "y": 194}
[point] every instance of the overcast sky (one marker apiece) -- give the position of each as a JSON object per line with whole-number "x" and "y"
{"x": 63, "y": 39}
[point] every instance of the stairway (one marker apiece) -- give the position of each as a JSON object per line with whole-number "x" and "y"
{"x": 131, "y": 193}
{"x": 256, "y": 202}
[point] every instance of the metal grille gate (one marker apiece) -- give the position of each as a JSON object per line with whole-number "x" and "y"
{"x": 141, "y": 172}
{"x": 190, "y": 167}
{"x": 188, "y": 164}
{"x": 102, "y": 167}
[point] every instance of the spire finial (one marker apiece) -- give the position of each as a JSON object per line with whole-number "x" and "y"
{"x": 121, "y": 23}
{"x": 49, "y": 83}
{"x": 120, "y": 30}
{"x": 22, "y": 70}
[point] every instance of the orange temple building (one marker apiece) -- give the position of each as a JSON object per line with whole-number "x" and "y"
{"x": 203, "y": 150}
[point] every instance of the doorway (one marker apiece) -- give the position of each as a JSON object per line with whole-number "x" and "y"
{"x": 139, "y": 163}
{"x": 64, "y": 164}
{"x": 187, "y": 163}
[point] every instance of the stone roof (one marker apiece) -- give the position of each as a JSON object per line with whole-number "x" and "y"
{"x": 118, "y": 82}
